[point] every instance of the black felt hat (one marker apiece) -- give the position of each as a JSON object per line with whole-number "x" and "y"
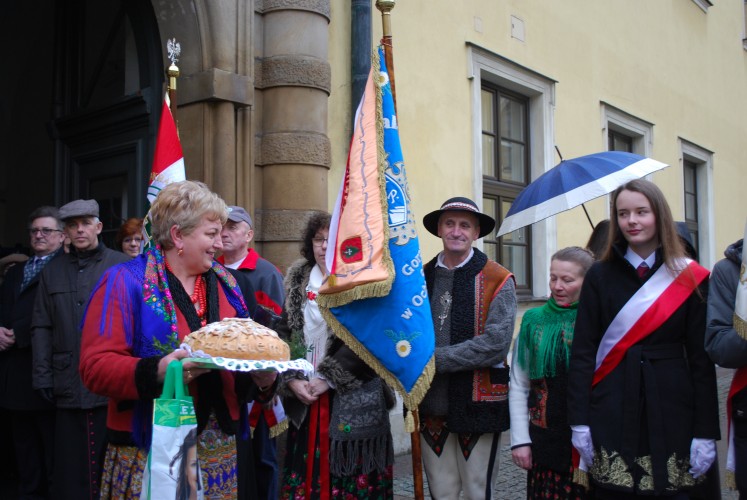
{"x": 460, "y": 204}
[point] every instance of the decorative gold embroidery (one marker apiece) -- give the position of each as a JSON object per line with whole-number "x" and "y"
{"x": 678, "y": 472}
{"x": 610, "y": 468}
{"x": 646, "y": 483}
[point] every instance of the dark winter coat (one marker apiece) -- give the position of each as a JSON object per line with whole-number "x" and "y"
{"x": 65, "y": 286}
{"x": 722, "y": 342}
{"x": 16, "y": 307}
{"x": 645, "y": 413}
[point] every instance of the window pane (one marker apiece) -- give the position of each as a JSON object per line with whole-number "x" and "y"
{"x": 518, "y": 236}
{"x": 488, "y": 156}
{"x": 689, "y": 173}
{"x": 620, "y": 142}
{"x": 488, "y": 125}
{"x": 691, "y": 212}
{"x": 489, "y": 207}
{"x": 490, "y": 250}
{"x": 512, "y": 162}
{"x": 515, "y": 260}
{"x": 512, "y": 119}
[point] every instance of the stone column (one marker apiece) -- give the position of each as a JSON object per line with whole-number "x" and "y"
{"x": 293, "y": 156}
{"x": 216, "y": 90}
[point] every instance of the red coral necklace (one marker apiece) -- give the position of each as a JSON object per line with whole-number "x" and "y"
{"x": 199, "y": 299}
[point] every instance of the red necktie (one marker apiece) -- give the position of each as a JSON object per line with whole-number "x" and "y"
{"x": 642, "y": 269}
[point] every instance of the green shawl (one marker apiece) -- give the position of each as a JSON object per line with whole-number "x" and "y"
{"x": 545, "y": 337}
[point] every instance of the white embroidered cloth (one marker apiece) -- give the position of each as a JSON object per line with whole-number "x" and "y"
{"x": 247, "y": 365}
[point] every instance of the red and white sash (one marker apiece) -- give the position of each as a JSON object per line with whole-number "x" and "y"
{"x": 647, "y": 310}
{"x": 274, "y": 415}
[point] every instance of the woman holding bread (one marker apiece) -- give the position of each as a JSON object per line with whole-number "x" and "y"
{"x": 325, "y": 458}
{"x": 133, "y": 326}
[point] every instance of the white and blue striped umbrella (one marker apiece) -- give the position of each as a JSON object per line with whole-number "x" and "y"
{"x": 571, "y": 183}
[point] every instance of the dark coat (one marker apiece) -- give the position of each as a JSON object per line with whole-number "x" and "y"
{"x": 645, "y": 413}
{"x": 16, "y": 307}
{"x": 64, "y": 290}
{"x": 723, "y": 343}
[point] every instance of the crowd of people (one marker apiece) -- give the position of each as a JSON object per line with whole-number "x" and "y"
{"x": 608, "y": 388}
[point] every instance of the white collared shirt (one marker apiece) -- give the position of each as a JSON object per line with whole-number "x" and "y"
{"x": 440, "y": 260}
{"x": 635, "y": 259}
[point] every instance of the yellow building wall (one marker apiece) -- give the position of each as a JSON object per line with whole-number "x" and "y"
{"x": 666, "y": 62}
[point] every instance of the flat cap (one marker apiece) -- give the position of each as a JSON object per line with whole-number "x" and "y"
{"x": 238, "y": 214}
{"x": 79, "y": 208}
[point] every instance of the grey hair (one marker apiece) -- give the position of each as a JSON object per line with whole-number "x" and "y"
{"x": 46, "y": 211}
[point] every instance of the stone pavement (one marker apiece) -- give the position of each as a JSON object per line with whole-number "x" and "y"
{"x": 511, "y": 482}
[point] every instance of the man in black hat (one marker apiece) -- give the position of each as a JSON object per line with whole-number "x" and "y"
{"x": 473, "y": 303}
{"x": 64, "y": 288}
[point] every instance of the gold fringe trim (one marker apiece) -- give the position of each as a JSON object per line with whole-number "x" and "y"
{"x": 378, "y": 288}
{"x": 278, "y": 429}
{"x": 740, "y": 325}
{"x": 730, "y": 480}
{"x": 411, "y": 399}
{"x": 581, "y": 478}
{"x": 409, "y": 423}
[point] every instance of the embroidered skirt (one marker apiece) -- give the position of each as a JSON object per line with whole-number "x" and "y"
{"x": 373, "y": 486}
{"x": 544, "y": 483}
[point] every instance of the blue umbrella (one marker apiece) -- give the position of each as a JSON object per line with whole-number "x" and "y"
{"x": 571, "y": 183}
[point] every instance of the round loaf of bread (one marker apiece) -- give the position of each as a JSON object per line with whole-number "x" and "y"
{"x": 238, "y": 338}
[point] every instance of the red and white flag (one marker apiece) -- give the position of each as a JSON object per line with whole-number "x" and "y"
{"x": 168, "y": 161}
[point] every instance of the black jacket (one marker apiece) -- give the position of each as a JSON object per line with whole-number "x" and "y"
{"x": 722, "y": 342}
{"x": 16, "y": 307}
{"x": 64, "y": 290}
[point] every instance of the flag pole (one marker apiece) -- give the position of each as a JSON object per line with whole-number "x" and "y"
{"x": 386, "y": 6}
{"x": 174, "y": 48}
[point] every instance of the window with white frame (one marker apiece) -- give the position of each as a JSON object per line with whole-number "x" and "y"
{"x": 513, "y": 130}
{"x": 505, "y": 172}
{"x": 625, "y": 132}
{"x": 697, "y": 204}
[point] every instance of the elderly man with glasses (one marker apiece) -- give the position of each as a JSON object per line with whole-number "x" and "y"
{"x": 32, "y": 418}
{"x": 64, "y": 288}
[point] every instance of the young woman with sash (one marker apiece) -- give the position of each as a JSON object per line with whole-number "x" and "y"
{"x": 540, "y": 436}
{"x": 642, "y": 396}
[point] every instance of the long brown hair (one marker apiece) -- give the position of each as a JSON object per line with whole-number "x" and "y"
{"x": 672, "y": 249}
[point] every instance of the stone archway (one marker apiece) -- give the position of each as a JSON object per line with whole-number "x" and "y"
{"x": 252, "y": 116}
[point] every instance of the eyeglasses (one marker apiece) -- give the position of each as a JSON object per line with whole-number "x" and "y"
{"x": 46, "y": 231}
{"x": 131, "y": 239}
{"x": 319, "y": 241}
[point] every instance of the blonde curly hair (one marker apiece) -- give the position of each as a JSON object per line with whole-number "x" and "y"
{"x": 184, "y": 204}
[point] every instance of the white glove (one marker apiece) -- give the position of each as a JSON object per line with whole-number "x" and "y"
{"x": 702, "y": 455}
{"x": 581, "y": 439}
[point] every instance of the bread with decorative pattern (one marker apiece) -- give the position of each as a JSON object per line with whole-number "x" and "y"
{"x": 239, "y": 338}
